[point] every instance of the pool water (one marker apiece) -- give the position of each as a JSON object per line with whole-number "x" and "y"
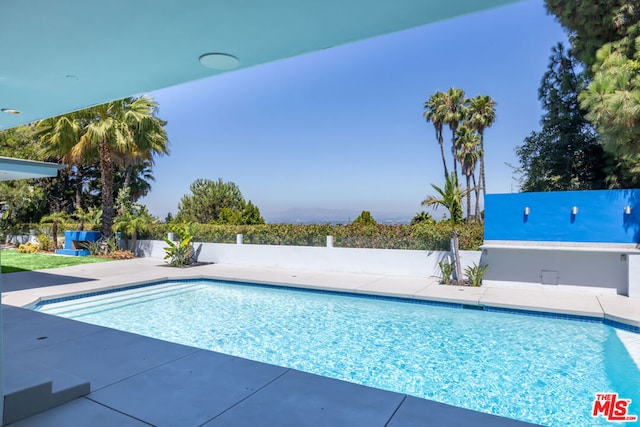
{"x": 541, "y": 370}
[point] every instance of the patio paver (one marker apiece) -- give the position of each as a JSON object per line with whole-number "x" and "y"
{"x": 137, "y": 380}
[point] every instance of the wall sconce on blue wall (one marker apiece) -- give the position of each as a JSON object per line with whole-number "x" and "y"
{"x": 627, "y": 210}
{"x": 527, "y": 211}
{"x": 574, "y": 210}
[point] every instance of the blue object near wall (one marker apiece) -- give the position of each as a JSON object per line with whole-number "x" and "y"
{"x": 596, "y": 216}
{"x": 73, "y": 240}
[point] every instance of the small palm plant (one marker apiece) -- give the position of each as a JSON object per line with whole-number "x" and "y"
{"x": 53, "y": 219}
{"x": 130, "y": 223}
{"x": 450, "y": 197}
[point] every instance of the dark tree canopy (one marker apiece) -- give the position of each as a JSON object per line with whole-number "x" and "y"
{"x": 605, "y": 36}
{"x": 565, "y": 153}
{"x": 592, "y": 24}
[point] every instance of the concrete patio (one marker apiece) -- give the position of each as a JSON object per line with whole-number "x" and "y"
{"x": 134, "y": 380}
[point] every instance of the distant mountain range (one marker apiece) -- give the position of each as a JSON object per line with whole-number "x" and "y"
{"x": 331, "y": 216}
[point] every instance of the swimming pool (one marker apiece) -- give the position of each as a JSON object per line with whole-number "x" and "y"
{"x": 535, "y": 369}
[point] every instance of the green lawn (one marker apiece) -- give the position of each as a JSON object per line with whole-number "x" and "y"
{"x": 13, "y": 261}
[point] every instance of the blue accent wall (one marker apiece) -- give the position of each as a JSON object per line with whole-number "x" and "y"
{"x": 600, "y": 216}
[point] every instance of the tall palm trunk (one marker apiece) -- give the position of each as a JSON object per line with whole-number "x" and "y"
{"x": 106, "y": 174}
{"x": 127, "y": 177}
{"x": 444, "y": 160}
{"x": 454, "y": 128}
{"x": 483, "y": 184}
{"x": 468, "y": 176}
{"x": 134, "y": 237}
{"x": 78, "y": 203}
{"x": 456, "y": 255}
{"x": 476, "y": 189}
{"x": 54, "y": 235}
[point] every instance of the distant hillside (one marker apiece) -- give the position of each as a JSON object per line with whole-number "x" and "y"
{"x": 331, "y": 216}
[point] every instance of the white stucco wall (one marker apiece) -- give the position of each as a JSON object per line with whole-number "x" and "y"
{"x": 583, "y": 267}
{"x": 347, "y": 260}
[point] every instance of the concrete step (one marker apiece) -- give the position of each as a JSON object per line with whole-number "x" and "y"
{"x": 30, "y": 388}
{"x": 78, "y": 307}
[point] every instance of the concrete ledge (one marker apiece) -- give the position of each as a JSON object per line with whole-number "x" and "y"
{"x": 31, "y": 388}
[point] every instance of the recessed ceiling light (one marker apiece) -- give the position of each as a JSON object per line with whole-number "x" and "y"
{"x": 219, "y": 61}
{"x": 9, "y": 111}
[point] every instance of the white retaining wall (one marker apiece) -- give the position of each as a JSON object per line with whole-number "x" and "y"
{"x": 18, "y": 239}
{"x": 589, "y": 267}
{"x": 397, "y": 262}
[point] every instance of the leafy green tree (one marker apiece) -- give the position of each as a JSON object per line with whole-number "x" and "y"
{"x": 247, "y": 214}
{"x": 592, "y": 24}
{"x": 422, "y": 218}
{"x": 481, "y": 114}
{"x": 21, "y": 200}
{"x": 605, "y": 37}
{"x": 565, "y": 153}
{"x": 450, "y": 197}
{"x": 20, "y": 142}
{"x": 613, "y": 97}
{"x": 365, "y": 219}
{"x": 217, "y": 202}
{"x": 435, "y": 113}
{"x": 109, "y": 132}
{"x": 251, "y": 214}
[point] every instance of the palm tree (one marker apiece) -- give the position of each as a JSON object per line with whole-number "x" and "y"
{"x": 109, "y": 132}
{"x": 53, "y": 219}
{"x": 131, "y": 223}
{"x": 454, "y": 113}
{"x": 481, "y": 112}
{"x": 435, "y": 113}
{"x": 93, "y": 216}
{"x": 468, "y": 143}
{"x": 451, "y": 199}
{"x": 137, "y": 178}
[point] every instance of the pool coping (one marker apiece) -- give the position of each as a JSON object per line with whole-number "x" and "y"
{"x": 619, "y": 311}
{"x": 566, "y": 314}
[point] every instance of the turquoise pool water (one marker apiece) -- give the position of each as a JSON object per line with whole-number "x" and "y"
{"x": 541, "y": 370}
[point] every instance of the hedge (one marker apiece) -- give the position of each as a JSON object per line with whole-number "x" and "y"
{"x": 421, "y": 236}
{"x": 433, "y": 237}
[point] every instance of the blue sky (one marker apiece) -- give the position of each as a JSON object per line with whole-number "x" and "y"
{"x": 343, "y": 128}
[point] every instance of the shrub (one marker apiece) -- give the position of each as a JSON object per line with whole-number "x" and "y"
{"x": 29, "y": 248}
{"x": 446, "y": 269}
{"x": 46, "y": 243}
{"x": 119, "y": 254}
{"x": 179, "y": 253}
{"x": 475, "y": 274}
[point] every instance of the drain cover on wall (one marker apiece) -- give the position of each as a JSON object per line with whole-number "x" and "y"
{"x": 549, "y": 277}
